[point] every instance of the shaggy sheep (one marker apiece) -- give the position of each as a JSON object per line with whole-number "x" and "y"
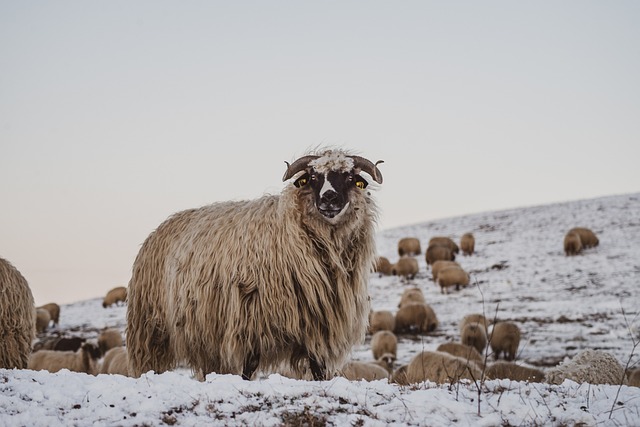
{"x": 452, "y": 276}
{"x": 108, "y": 339}
{"x": 439, "y": 265}
{"x": 509, "y": 370}
{"x": 381, "y": 320}
{"x": 384, "y": 342}
{"x": 463, "y": 351}
{"x": 386, "y": 361}
{"x": 474, "y": 318}
{"x": 467, "y": 244}
{"x": 83, "y": 360}
{"x": 634, "y": 377}
{"x": 587, "y": 237}
{"x": 415, "y": 318}
{"x": 474, "y": 335}
{"x": 17, "y": 317}
{"x": 383, "y": 266}
{"x": 409, "y": 246}
{"x": 411, "y": 295}
{"x": 572, "y": 244}
{"x": 505, "y": 337}
{"x": 43, "y": 318}
{"x": 590, "y": 366}
{"x": 356, "y": 371}
{"x": 115, "y": 296}
{"x": 406, "y": 267}
{"x": 447, "y": 242}
{"x": 54, "y": 311}
{"x": 115, "y": 361}
{"x": 238, "y": 286}
{"x": 440, "y": 368}
{"x": 399, "y": 376}
{"x": 439, "y": 253}
{"x": 60, "y": 344}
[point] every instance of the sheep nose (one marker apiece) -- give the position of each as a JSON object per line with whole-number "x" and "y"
{"x": 329, "y": 196}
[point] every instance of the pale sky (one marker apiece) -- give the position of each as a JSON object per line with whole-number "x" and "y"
{"x": 114, "y": 115}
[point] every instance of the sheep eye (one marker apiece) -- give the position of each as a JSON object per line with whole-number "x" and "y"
{"x": 302, "y": 181}
{"x": 361, "y": 183}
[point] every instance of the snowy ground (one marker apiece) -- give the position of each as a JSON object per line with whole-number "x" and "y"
{"x": 562, "y": 304}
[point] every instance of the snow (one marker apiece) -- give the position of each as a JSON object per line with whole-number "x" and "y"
{"x": 563, "y": 305}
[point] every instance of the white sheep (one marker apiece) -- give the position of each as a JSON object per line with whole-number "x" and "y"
{"x": 239, "y": 286}
{"x": 84, "y": 360}
{"x": 589, "y": 366}
{"x": 383, "y": 342}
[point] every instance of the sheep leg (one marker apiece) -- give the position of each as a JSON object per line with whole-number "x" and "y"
{"x": 317, "y": 369}
{"x": 251, "y": 363}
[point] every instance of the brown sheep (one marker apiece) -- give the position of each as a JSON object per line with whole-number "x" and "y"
{"x": 474, "y": 335}
{"x": 509, "y": 370}
{"x": 415, "y": 318}
{"x": 409, "y": 246}
{"x": 108, "y": 339}
{"x": 383, "y": 342}
{"x": 439, "y": 265}
{"x": 406, "y": 267}
{"x": 43, "y": 318}
{"x": 383, "y": 266}
{"x": 17, "y": 318}
{"x": 59, "y": 344}
{"x": 572, "y": 244}
{"x": 115, "y": 362}
{"x": 587, "y": 237}
{"x": 356, "y": 371}
{"x": 447, "y": 242}
{"x": 115, "y": 296}
{"x": 467, "y": 244}
{"x": 505, "y": 337}
{"x": 440, "y": 368}
{"x": 452, "y": 276}
{"x": 399, "y": 376}
{"x": 634, "y": 377}
{"x": 54, "y": 312}
{"x": 381, "y": 320}
{"x": 437, "y": 253}
{"x": 386, "y": 361}
{"x": 411, "y": 295}
{"x": 463, "y": 351}
{"x": 83, "y": 360}
{"x": 475, "y": 318}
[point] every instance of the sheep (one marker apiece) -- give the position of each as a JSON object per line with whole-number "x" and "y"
{"x": 509, "y": 370}
{"x": 467, "y": 244}
{"x": 415, "y": 318}
{"x": 589, "y": 366}
{"x": 383, "y": 266}
{"x": 83, "y": 360}
{"x": 439, "y": 265}
{"x": 60, "y": 344}
{"x": 384, "y": 342}
{"x": 399, "y": 376}
{"x": 108, "y": 339}
{"x": 386, "y": 361}
{"x": 54, "y": 311}
{"x": 452, "y": 276}
{"x": 634, "y": 377}
{"x": 440, "y": 368}
{"x": 474, "y": 335}
{"x": 463, "y": 351}
{"x": 411, "y": 295}
{"x": 587, "y": 237}
{"x": 115, "y": 361}
{"x": 381, "y": 320}
{"x": 240, "y": 286}
{"x": 406, "y": 267}
{"x": 505, "y": 337}
{"x": 409, "y": 246}
{"x": 17, "y": 317}
{"x": 474, "y": 318}
{"x": 447, "y": 242}
{"x": 115, "y": 296}
{"x": 437, "y": 253}
{"x": 43, "y": 318}
{"x": 572, "y": 244}
{"x": 356, "y": 371}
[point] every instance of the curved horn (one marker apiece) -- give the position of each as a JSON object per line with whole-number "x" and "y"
{"x": 368, "y": 167}
{"x": 297, "y": 166}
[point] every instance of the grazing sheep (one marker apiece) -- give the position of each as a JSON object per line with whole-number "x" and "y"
{"x": 474, "y": 335}
{"x": 54, "y": 311}
{"x": 509, "y": 370}
{"x": 399, "y": 376}
{"x": 17, "y": 317}
{"x": 384, "y": 342}
{"x": 572, "y": 244}
{"x": 381, "y": 320}
{"x": 634, "y": 377}
{"x": 475, "y": 318}
{"x": 43, "y": 318}
{"x": 467, "y": 244}
{"x": 406, "y": 267}
{"x": 115, "y": 296}
{"x": 239, "y": 286}
{"x": 439, "y": 253}
{"x": 505, "y": 337}
{"x": 589, "y": 366}
{"x": 83, "y": 360}
{"x": 386, "y": 361}
{"x": 463, "y": 351}
{"x": 440, "y": 368}
{"x": 416, "y": 318}
{"x": 440, "y": 265}
{"x": 115, "y": 361}
{"x": 409, "y": 246}
{"x": 452, "y": 276}
{"x": 447, "y": 242}
{"x": 356, "y": 371}
{"x": 60, "y": 344}
{"x": 411, "y": 295}
{"x": 383, "y": 266}
{"x": 108, "y": 339}
{"x": 587, "y": 237}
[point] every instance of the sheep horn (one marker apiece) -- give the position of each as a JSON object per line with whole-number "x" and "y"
{"x": 369, "y": 167}
{"x": 297, "y": 166}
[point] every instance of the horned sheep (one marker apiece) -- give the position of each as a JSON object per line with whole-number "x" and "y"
{"x": 505, "y": 338}
{"x": 115, "y": 296}
{"x": 589, "y": 366}
{"x": 240, "y": 286}
{"x": 468, "y": 244}
{"x": 381, "y": 320}
{"x": 406, "y": 267}
{"x": 572, "y": 244}
{"x": 84, "y": 360}
{"x": 416, "y": 318}
{"x": 17, "y": 314}
{"x": 440, "y": 367}
{"x": 383, "y": 342}
{"x": 512, "y": 371}
{"x": 452, "y": 276}
{"x": 409, "y": 246}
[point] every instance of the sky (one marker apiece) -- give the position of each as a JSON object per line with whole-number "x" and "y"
{"x": 115, "y": 115}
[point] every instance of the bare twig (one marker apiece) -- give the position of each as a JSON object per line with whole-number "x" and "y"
{"x": 626, "y": 366}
